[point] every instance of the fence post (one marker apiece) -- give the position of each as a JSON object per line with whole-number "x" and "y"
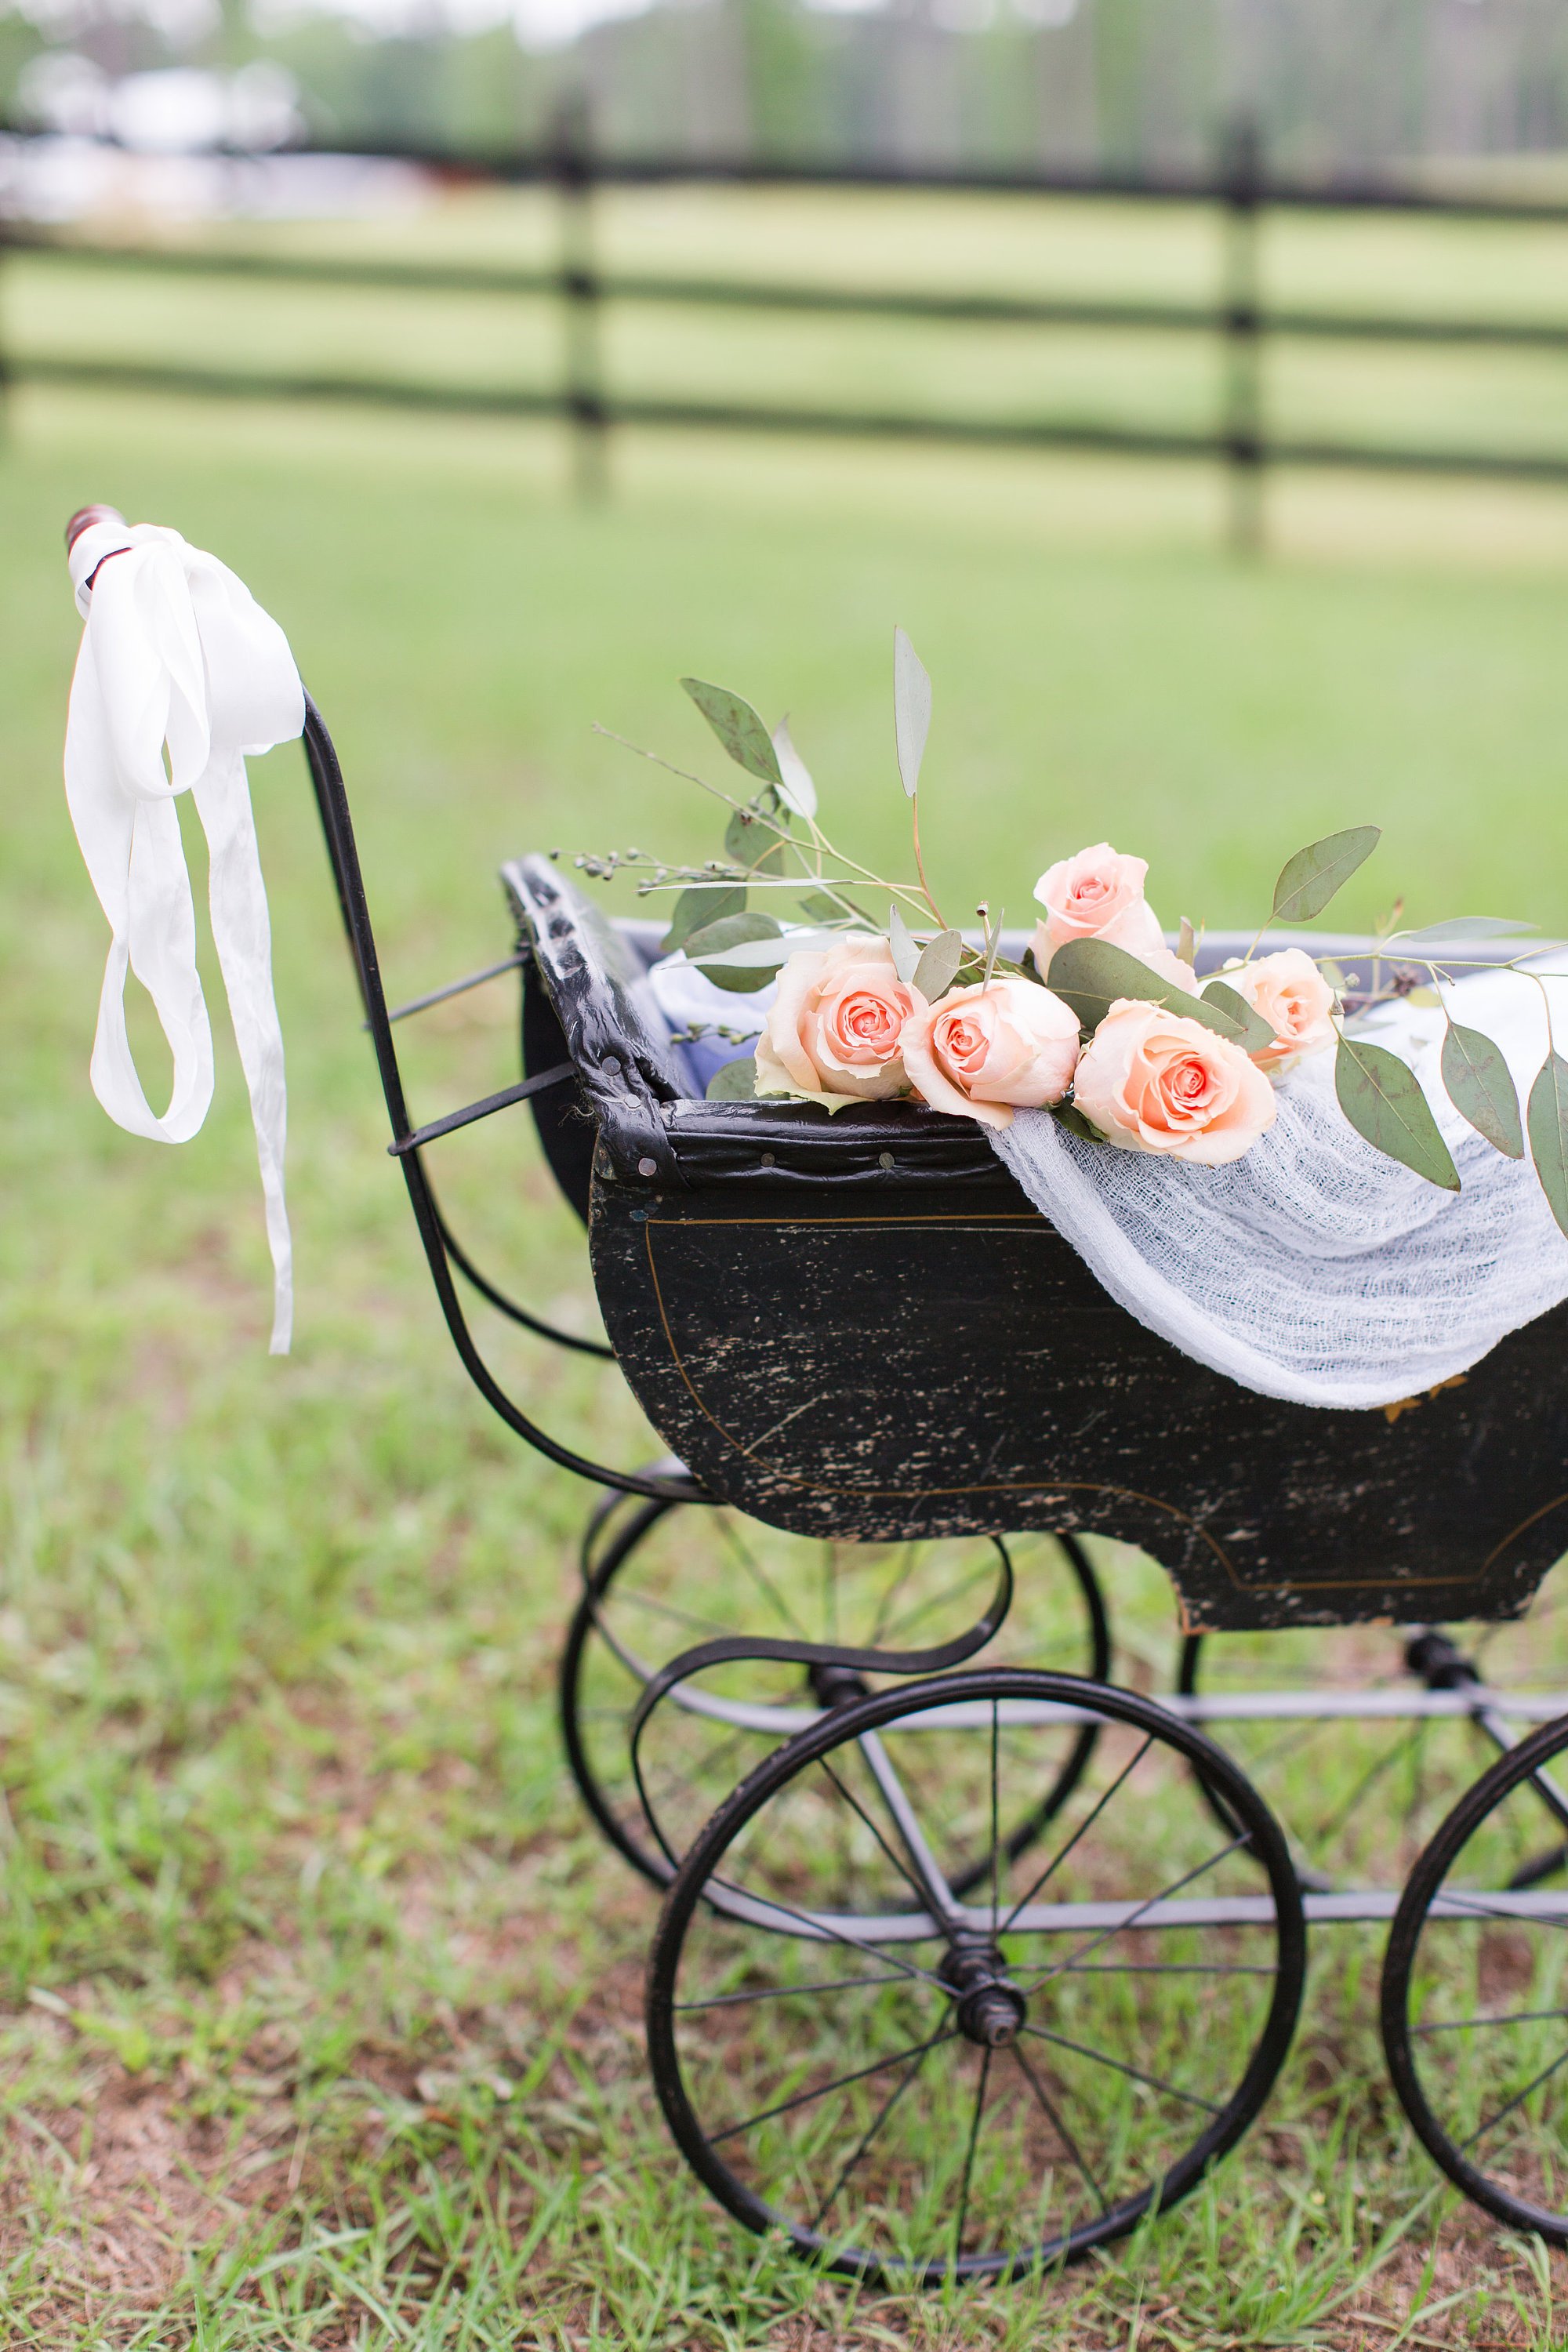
{"x": 584, "y": 394}
{"x": 1242, "y": 182}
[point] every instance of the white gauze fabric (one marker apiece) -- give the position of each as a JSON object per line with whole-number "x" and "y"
{"x": 176, "y": 654}
{"x": 1314, "y": 1268}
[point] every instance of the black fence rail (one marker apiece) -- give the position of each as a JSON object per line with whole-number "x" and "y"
{"x": 1238, "y": 440}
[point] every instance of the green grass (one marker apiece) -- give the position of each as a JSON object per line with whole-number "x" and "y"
{"x": 319, "y": 2022}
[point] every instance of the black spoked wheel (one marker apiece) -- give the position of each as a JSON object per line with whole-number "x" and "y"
{"x": 917, "y": 2085}
{"x": 1475, "y": 1996}
{"x": 1360, "y": 1794}
{"x": 658, "y": 1578}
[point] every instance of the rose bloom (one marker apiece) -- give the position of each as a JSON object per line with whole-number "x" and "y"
{"x": 1288, "y": 991}
{"x": 1150, "y": 1081}
{"x": 980, "y": 1050}
{"x": 832, "y": 1030}
{"x": 1098, "y": 895}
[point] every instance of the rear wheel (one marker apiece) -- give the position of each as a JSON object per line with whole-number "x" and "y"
{"x": 1361, "y": 1795}
{"x": 1475, "y": 1996}
{"x": 919, "y": 2086}
{"x": 658, "y": 1578}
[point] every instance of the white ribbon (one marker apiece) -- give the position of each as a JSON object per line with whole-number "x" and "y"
{"x": 180, "y": 675}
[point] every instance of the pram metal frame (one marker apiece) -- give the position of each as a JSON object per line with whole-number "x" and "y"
{"x": 649, "y": 1171}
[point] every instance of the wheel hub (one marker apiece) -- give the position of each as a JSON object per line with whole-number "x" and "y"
{"x": 991, "y": 2008}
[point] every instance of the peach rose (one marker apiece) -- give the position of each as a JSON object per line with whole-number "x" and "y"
{"x": 1288, "y": 991}
{"x": 982, "y": 1050}
{"x": 1151, "y": 1081}
{"x": 1098, "y": 895}
{"x": 832, "y": 1030}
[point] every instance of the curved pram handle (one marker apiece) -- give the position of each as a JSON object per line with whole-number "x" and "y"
{"x": 408, "y": 1142}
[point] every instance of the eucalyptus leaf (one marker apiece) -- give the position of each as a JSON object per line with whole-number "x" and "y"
{"x": 1481, "y": 1089}
{"x": 906, "y": 953}
{"x": 735, "y": 1081}
{"x": 758, "y": 955}
{"x": 723, "y": 940}
{"x": 1067, "y": 1116}
{"x": 938, "y": 962}
{"x": 751, "y": 840}
{"x": 822, "y": 908}
{"x": 1090, "y": 975}
{"x": 795, "y": 785}
{"x": 738, "y": 728}
{"x": 1548, "y": 1118}
{"x": 697, "y": 908}
{"x": 912, "y": 710}
{"x": 1186, "y": 945}
{"x": 1381, "y": 1097}
{"x": 1464, "y": 928}
{"x": 1256, "y": 1033}
{"x": 1309, "y": 879}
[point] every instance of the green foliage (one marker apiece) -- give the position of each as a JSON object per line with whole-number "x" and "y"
{"x": 1090, "y": 975}
{"x": 1480, "y": 1087}
{"x": 1316, "y": 874}
{"x": 1381, "y": 1097}
{"x": 1548, "y": 1118}
{"x": 938, "y": 964}
{"x": 912, "y": 710}
{"x": 738, "y": 728}
{"x": 735, "y": 1081}
{"x": 696, "y": 908}
{"x": 734, "y": 931}
{"x": 1253, "y": 1031}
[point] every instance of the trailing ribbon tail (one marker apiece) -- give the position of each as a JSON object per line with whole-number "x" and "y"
{"x": 180, "y": 675}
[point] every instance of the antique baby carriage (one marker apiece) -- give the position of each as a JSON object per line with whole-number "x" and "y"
{"x": 967, "y": 1962}
{"x": 971, "y": 1957}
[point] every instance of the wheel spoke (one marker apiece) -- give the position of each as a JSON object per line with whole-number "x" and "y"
{"x": 1082, "y": 1830}
{"x": 1517, "y": 2101}
{"x": 936, "y": 1601}
{"x": 878, "y": 1623}
{"x": 1062, "y": 2132}
{"x": 1103, "y": 2058}
{"x": 839, "y": 2082}
{"x": 1326, "y": 1828}
{"x": 857, "y": 1807}
{"x": 995, "y": 1829}
{"x": 654, "y": 1607}
{"x": 1174, "y": 1968}
{"x": 969, "y": 2156}
{"x": 785, "y": 1991}
{"x": 824, "y": 1934}
{"x": 883, "y": 2111}
{"x": 1133, "y": 1918}
{"x": 759, "y": 1576}
{"x": 1516, "y": 2017}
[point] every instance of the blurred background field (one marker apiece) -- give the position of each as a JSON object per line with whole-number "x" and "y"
{"x": 319, "y": 1999}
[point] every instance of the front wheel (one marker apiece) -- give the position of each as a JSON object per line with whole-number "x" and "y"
{"x": 918, "y": 2084}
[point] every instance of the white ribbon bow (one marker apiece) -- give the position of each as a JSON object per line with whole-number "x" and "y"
{"x": 177, "y": 656}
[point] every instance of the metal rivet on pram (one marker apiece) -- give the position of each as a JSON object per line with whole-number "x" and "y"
{"x": 969, "y": 1957}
